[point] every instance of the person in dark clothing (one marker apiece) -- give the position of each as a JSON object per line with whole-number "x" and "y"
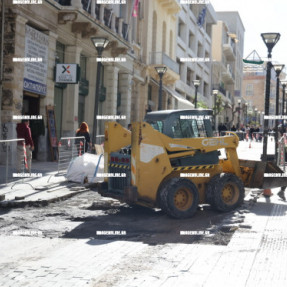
{"x": 251, "y": 131}
{"x": 83, "y": 131}
{"x": 233, "y": 129}
{"x": 24, "y": 131}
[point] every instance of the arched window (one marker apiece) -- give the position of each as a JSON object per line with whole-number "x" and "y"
{"x": 170, "y": 44}
{"x": 154, "y": 31}
{"x": 164, "y": 37}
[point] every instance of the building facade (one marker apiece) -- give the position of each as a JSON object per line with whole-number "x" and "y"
{"x": 64, "y": 29}
{"x": 253, "y": 90}
{"x": 193, "y": 52}
{"x": 227, "y": 51}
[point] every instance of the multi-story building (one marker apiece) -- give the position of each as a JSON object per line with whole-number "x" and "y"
{"x": 227, "y": 53}
{"x": 60, "y": 31}
{"x": 194, "y": 39}
{"x": 159, "y": 50}
{"x": 253, "y": 90}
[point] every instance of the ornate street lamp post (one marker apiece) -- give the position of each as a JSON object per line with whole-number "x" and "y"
{"x": 100, "y": 44}
{"x": 160, "y": 71}
{"x": 270, "y": 40}
{"x": 196, "y": 84}
{"x": 238, "y": 120}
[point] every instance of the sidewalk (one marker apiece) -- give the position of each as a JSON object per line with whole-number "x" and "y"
{"x": 255, "y": 256}
{"x": 50, "y": 187}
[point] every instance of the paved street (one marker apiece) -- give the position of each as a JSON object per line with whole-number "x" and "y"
{"x": 60, "y": 245}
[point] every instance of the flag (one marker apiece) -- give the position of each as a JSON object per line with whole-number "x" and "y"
{"x": 201, "y": 17}
{"x": 136, "y": 8}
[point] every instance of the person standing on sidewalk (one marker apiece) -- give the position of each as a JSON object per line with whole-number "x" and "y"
{"x": 83, "y": 131}
{"x": 24, "y": 131}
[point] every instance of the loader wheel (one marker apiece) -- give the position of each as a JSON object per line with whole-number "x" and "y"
{"x": 225, "y": 192}
{"x": 179, "y": 198}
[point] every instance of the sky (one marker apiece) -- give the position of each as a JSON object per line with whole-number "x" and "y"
{"x": 260, "y": 16}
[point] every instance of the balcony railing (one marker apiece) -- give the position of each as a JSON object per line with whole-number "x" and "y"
{"x": 102, "y": 14}
{"x": 160, "y": 58}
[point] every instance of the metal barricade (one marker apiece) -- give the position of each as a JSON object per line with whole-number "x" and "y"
{"x": 69, "y": 148}
{"x": 100, "y": 139}
{"x": 241, "y": 135}
{"x": 12, "y": 160}
{"x": 257, "y": 136}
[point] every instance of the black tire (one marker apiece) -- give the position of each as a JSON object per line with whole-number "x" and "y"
{"x": 179, "y": 198}
{"x": 225, "y": 192}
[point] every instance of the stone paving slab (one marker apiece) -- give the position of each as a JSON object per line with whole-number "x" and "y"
{"x": 254, "y": 257}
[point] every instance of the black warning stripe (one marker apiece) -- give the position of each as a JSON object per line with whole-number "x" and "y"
{"x": 119, "y": 166}
{"x": 196, "y": 167}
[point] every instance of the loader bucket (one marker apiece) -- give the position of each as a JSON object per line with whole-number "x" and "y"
{"x": 257, "y": 170}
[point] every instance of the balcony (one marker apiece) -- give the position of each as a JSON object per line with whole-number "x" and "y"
{"x": 227, "y": 74}
{"x": 161, "y": 59}
{"x": 97, "y": 12}
{"x": 172, "y": 6}
{"x": 229, "y": 50}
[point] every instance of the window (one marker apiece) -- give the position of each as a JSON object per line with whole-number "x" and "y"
{"x": 188, "y": 128}
{"x": 190, "y": 40}
{"x": 170, "y": 43}
{"x": 164, "y": 37}
{"x": 157, "y": 125}
{"x": 180, "y": 64}
{"x": 249, "y": 90}
{"x": 83, "y": 65}
{"x": 60, "y": 52}
{"x": 188, "y": 77}
{"x": 199, "y": 50}
{"x": 180, "y": 32}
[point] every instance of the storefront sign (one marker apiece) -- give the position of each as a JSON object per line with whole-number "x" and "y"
{"x": 67, "y": 73}
{"x": 35, "y": 72}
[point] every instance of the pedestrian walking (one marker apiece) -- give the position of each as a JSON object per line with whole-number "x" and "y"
{"x": 83, "y": 131}
{"x": 23, "y": 131}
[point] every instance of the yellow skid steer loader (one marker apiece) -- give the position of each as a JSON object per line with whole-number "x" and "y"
{"x": 171, "y": 161}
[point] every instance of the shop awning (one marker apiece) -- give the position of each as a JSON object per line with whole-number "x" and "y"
{"x": 182, "y": 102}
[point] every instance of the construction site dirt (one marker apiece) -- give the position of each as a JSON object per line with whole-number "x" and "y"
{"x": 88, "y": 215}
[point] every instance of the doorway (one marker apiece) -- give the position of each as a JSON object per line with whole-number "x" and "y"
{"x": 31, "y": 107}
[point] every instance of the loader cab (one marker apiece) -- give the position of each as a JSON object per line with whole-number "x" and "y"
{"x": 182, "y": 123}
{"x": 185, "y": 124}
